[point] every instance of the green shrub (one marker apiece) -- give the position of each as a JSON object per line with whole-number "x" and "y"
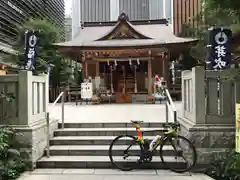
{"x": 12, "y": 161}
{"x": 225, "y": 166}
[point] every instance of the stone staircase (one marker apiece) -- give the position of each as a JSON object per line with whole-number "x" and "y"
{"x": 85, "y": 145}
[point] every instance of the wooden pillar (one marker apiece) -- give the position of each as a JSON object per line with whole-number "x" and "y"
{"x": 86, "y": 69}
{"x": 83, "y": 61}
{"x": 135, "y": 79}
{"x": 163, "y": 68}
{"x": 166, "y": 67}
{"x": 149, "y": 77}
{"x": 111, "y": 79}
{"x": 124, "y": 80}
{"x": 97, "y": 68}
{"x": 165, "y": 62}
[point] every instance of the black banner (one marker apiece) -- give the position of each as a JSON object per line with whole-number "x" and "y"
{"x": 219, "y": 48}
{"x": 31, "y": 44}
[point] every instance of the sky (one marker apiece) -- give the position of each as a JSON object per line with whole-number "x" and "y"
{"x": 68, "y": 6}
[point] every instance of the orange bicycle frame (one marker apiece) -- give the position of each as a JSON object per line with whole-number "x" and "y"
{"x": 140, "y": 134}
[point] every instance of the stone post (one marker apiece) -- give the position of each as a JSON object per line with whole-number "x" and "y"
{"x": 198, "y": 94}
{"x": 24, "y": 95}
{"x": 46, "y": 98}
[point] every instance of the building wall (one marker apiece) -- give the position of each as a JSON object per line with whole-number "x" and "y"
{"x": 114, "y": 10}
{"x": 184, "y": 11}
{"x": 68, "y": 28}
{"x": 16, "y": 12}
{"x": 167, "y": 11}
{"x": 95, "y": 10}
{"x": 89, "y": 11}
{"x": 76, "y": 17}
{"x": 109, "y": 10}
{"x": 156, "y": 9}
{"x": 135, "y": 9}
{"x": 54, "y": 11}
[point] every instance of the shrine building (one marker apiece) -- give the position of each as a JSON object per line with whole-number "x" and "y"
{"x": 123, "y": 57}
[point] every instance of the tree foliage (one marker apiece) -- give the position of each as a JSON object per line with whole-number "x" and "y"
{"x": 225, "y": 166}
{"x": 46, "y": 53}
{"x": 12, "y": 161}
{"x": 233, "y": 5}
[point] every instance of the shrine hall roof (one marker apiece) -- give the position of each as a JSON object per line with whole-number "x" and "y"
{"x": 125, "y": 33}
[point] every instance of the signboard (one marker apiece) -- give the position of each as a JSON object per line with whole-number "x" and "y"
{"x": 31, "y": 42}
{"x": 86, "y": 90}
{"x": 219, "y": 48}
{"x": 237, "y": 128}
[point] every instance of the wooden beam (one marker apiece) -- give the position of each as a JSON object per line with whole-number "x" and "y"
{"x": 122, "y": 59}
{"x": 126, "y": 50}
{"x": 122, "y": 53}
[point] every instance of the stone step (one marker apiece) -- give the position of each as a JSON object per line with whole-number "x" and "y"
{"x": 106, "y": 131}
{"x": 99, "y": 150}
{"x": 88, "y": 140}
{"x": 99, "y": 162}
{"x": 109, "y": 125}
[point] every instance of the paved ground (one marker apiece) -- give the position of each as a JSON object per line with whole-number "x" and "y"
{"x": 105, "y": 174}
{"x": 112, "y": 112}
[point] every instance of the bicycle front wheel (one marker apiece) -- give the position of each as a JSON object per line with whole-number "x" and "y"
{"x": 178, "y": 154}
{"x": 125, "y": 152}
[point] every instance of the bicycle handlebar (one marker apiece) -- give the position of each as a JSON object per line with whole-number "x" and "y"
{"x": 172, "y": 125}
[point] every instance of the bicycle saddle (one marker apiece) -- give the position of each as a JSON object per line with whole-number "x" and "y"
{"x": 136, "y": 122}
{"x": 171, "y": 125}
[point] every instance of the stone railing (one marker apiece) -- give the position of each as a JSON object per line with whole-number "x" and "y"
{"x": 27, "y": 111}
{"x": 207, "y": 112}
{"x": 207, "y": 97}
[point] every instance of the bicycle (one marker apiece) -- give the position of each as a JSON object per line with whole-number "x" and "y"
{"x": 147, "y": 149}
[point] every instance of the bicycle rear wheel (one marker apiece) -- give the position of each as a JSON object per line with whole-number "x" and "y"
{"x": 186, "y": 159}
{"x": 121, "y": 148}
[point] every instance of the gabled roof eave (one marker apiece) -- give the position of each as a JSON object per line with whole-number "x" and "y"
{"x": 120, "y": 22}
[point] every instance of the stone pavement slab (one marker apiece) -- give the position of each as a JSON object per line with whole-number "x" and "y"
{"x": 118, "y": 172}
{"x": 108, "y": 174}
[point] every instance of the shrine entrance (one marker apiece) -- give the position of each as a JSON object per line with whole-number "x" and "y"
{"x": 126, "y": 76}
